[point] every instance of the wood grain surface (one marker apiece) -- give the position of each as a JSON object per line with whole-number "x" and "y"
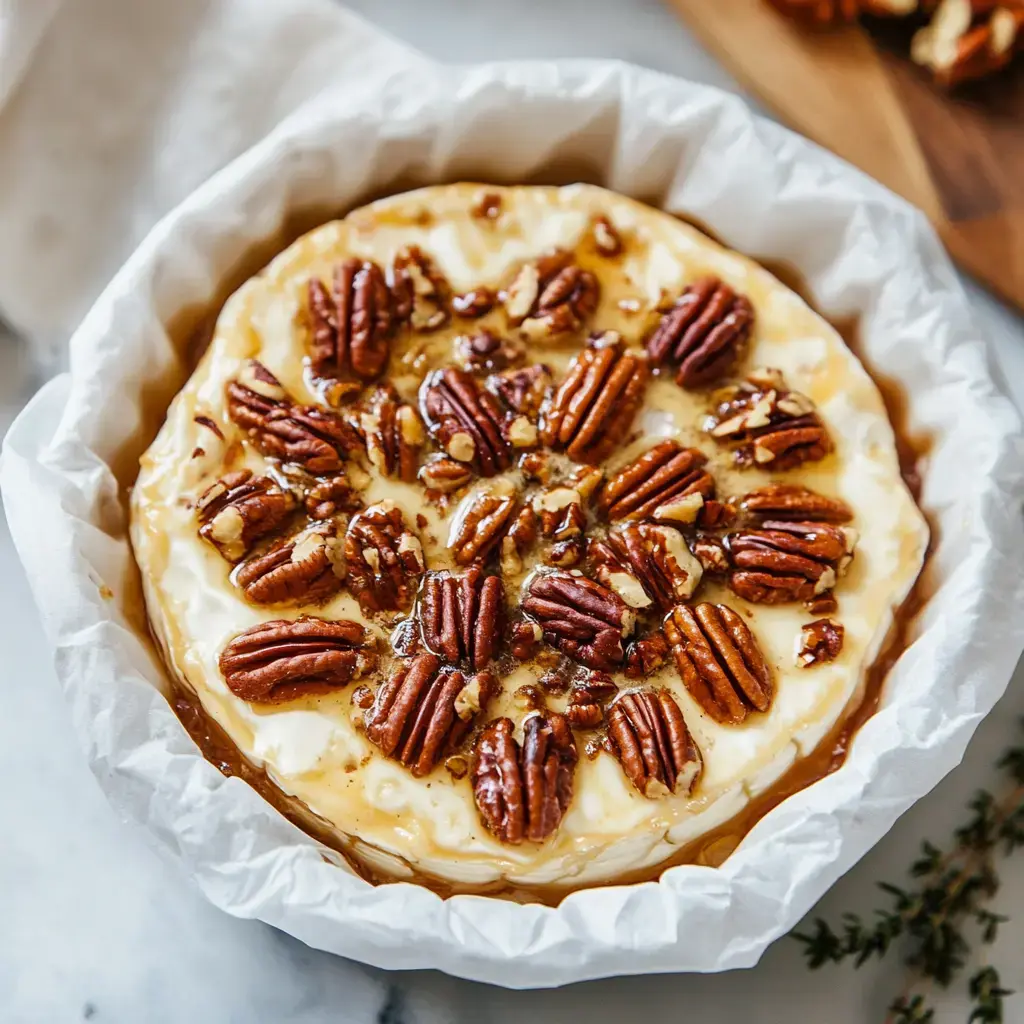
{"x": 959, "y": 157}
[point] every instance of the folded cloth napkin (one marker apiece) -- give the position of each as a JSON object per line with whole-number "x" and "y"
{"x": 112, "y": 111}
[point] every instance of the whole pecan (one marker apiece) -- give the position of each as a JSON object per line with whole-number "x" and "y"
{"x": 384, "y": 560}
{"x": 585, "y": 620}
{"x": 703, "y": 334}
{"x": 423, "y": 711}
{"x": 585, "y": 709}
{"x": 421, "y": 292}
{"x": 552, "y": 296}
{"x": 650, "y": 739}
{"x": 524, "y": 792}
{"x": 462, "y": 617}
{"x": 820, "y": 641}
{"x": 768, "y": 425}
{"x": 352, "y": 323}
{"x": 785, "y": 561}
{"x": 306, "y": 569}
{"x": 393, "y": 433}
{"x": 465, "y": 421}
{"x": 481, "y": 521}
{"x": 790, "y": 501}
{"x": 656, "y": 556}
{"x": 667, "y": 482}
{"x": 240, "y": 509}
{"x": 485, "y": 351}
{"x": 720, "y": 661}
{"x": 647, "y": 655}
{"x": 593, "y": 408}
{"x": 283, "y": 659}
{"x": 313, "y": 438}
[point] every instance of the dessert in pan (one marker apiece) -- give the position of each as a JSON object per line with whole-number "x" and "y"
{"x": 523, "y": 535}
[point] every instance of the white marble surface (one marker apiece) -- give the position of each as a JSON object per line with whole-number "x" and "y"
{"x": 95, "y": 926}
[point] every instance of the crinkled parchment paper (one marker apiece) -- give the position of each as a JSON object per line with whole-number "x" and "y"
{"x": 692, "y": 150}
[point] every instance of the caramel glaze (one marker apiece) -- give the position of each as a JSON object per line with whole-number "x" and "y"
{"x": 195, "y": 328}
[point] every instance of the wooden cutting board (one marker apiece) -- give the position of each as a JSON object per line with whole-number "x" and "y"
{"x": 960, "y": 158}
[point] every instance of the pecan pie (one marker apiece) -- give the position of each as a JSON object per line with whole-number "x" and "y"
{"x": 515, "y": 566}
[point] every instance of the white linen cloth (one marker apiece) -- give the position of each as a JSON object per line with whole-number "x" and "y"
{"x": 337, "y": 138}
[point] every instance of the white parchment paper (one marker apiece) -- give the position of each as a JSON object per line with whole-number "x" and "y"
{"x": 691, "y": 150}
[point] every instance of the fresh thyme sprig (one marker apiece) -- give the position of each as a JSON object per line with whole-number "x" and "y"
{"x": 934, "y": 918}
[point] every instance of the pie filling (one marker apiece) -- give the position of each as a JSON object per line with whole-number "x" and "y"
{"x": 523, "y": 535}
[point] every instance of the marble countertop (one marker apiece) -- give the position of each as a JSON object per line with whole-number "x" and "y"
{"x": 96, "y": 926}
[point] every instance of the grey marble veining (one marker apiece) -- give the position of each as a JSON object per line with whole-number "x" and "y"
{"x": 95, "y": 926}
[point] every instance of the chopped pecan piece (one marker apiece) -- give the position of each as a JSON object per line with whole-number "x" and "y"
{"x": 790, "y": 501}
{"x": 768, "y": 425}
{"x": 562, "y": 520}
{"x": 593, "y": 408}
{"x": 667, "y": 482}
{"x": 552, "y": 296}
{"x": 969, "y": 39}
{"x": 465, "y": 421}
{"x": 786, "y": 561}
{"x": 420, "y": 290}
{"x": 820, "y": 641}
{"x": 284, "y": 659}
{"x": 607, "y": 240}
{"x": 351, "y": 324}
{"x": 585, "y": 709}
{"x": 711, "y": 553}
{"x": 444, "y": 475}
{"x": 524, "y": 640}
{"x": 703, "y": 334}
{"x": 423, "y": 711}
{"x": 306, "y": 569}
{"x": 481, "y": 521}
{"x": 474, "y": 304}
{"x": 522, "y": 391}
{"x": 462, "y": 617}
{"x": 393, "y": 433}
{"x": 720, "y": 661}
{"x": 652, "y": 555}
{"x": 385, "y": 560}
{"x": 313, "y": 438}
{"x": 326, "y": 497}
{"x": 585, "y": 620}
{"x": 524, "y": 792}
{"x": 239, "y": 509}
{"x": 647, "y": 655}
{"x": 517, "y": 541}
{"x": 650, "y": 739}
{"x": 485, "y": 351}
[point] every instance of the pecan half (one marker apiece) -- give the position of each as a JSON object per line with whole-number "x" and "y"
{"x": 306, "y": 569}
{"x": 653, "y": 555}
{"x": 423, "y": 711}
{"x": 351, "y": 323}
{"x": 786, "y": 561}
{"x": 385, "y": 560}
{"x": 667, "y": 482}
{"x": 593, "y": 408}
{"x": 485, "y": 351}
{"x": 820, "y": 641}
{"x": 420, "y": 290}
{"x": 393, "y": 433}
{"x": 768, "y": 425}
{"x": 653, "y": 745}
{"x": 462, "y": 617}
{"x": 585, "y": 709}
{"x": 585, "y": 620}
{"x": 283, "y": 659}
{"x": 552, "y": 296}
{"x": 465, "y": 421}
{"x": 647, "y": 655}
{"x": 524, "y": 792}
{"x": 481, "y": 521}
{"x": 703, "y": 334}
{"x": 239, "y": 509}
{"x": 313, "y": 438}
{"x": 790, "y": 501}
{"x": 720, "y": 661}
